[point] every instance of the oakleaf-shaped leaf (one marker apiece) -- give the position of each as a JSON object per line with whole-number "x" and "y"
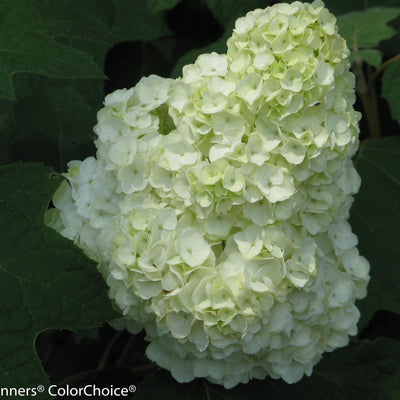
{"x": 365, "y": 29}
{"x": 375, "y": 218}
{"x": 30, "y": 39}
{"x": 45, "y": 281}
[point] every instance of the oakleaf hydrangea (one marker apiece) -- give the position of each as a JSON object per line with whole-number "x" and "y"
{"x": 217, "y": 204}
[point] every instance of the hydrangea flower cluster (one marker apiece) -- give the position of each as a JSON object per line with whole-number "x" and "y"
{"x": 217, "y": 206}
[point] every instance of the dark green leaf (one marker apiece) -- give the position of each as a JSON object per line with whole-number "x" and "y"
{"x": 368, "y": 370}
{"x": 375, "y": 218}
{"x": 391, "y": 47}
{"x": 391, "y": 88}
{"x": 133, "y": 21}
{"x": 31, "y": 33}
{"x": 53, "y": 121}
{"x": 7, "y": 124}
{"x": 156, "y": 6}
{"x": 45, "y": 281}
{"x": 370, "y": 56}
{"x": 365, "y": 29}
{"x": 58, "y": 39}
{"x": 339, "y": 7}
{"x": 87, "y": 334}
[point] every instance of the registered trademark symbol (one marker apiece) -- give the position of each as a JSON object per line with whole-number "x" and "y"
{"x": 132, "y": 388}
{"x": 40, "y": 388}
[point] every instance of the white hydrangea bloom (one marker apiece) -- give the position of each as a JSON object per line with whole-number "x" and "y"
{"x": 217, "y": 206}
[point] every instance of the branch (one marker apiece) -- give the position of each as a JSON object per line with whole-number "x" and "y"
{"x": 382, "y": 67}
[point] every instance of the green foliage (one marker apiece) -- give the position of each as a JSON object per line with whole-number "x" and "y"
{"x": 133, "y": 21}
{"x": 29, "y": 34}
{"x": 391, "y": 88}
{"x": 45, "y": 281}
{"x": 53, "y": 121}
{"x": 339, "y": 7}
{"x": 365, "y": 29}
{"x": 375, "y": 218}
{"x": 367, "y": 34}
{"x": 156, "y": 6}
{"x": 370, "y": 56}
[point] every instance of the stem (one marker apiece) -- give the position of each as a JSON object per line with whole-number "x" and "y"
{"x": 79, "y": 376}
{"x": 217, "y": 393}
{"x": 367, "y": 94}
{"x": 104, "y": 357}
{"x": 143, "y": 368}
{"x": 206, "y": 390}
{"x": 143, "y": 63}
{"x": 382, "y": 67}
{"x": 125, "y": 352}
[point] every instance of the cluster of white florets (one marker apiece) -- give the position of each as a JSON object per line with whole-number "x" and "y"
{"x": 217, "y": 206}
